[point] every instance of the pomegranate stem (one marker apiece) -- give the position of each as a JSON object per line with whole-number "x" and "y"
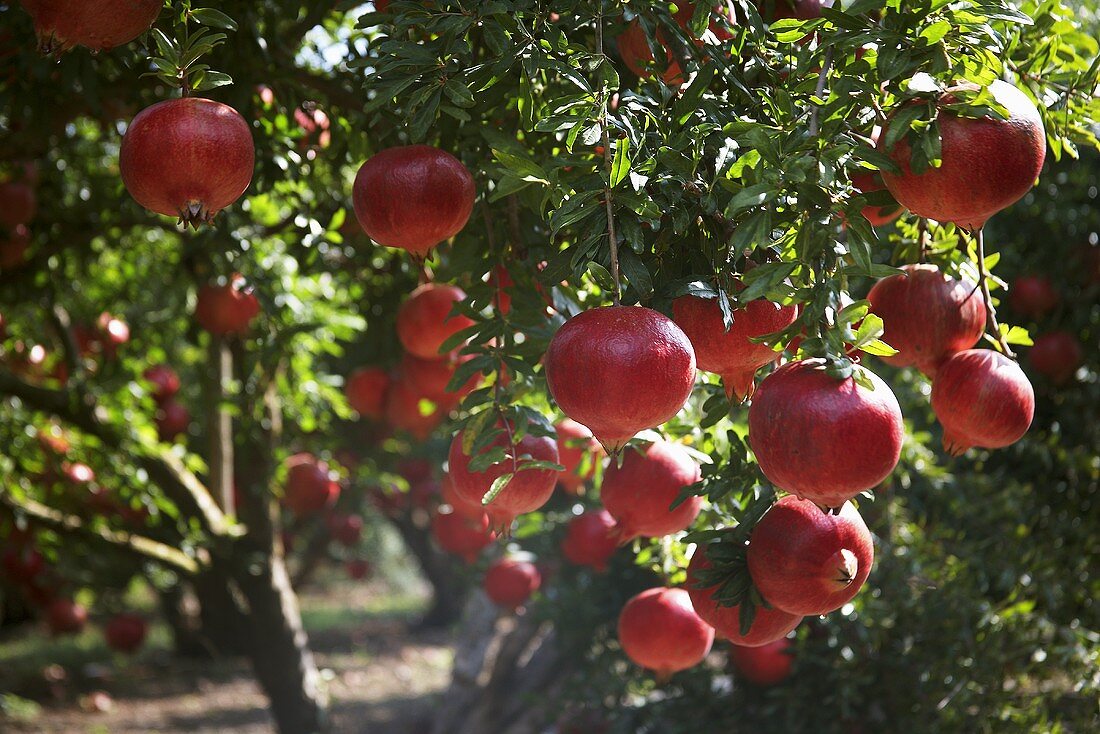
{"x": 821, "y": 77}
{"x": 605, "y": 139}
{"x": 983, "y": 278}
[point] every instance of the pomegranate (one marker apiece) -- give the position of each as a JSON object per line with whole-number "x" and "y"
{"x": 188, "y": 158}
{"x": 620, "y": 369}
{"x": 987, "y": 164}
{"x": 18, "y": 204}
{"x": 430, "y": 377}
{"x": 172, "y": 420}
{"x": 413, "y": 197}
{"x": 639, "y": 493}
{"x": 660, "y": 631}
{"x": 590, "y": 540}
{"x": 424, "y": 493}
{"x": 528, "y": 489}
{"x": 731, "y": 354}
{"x": 773, "y": 10}
{"x": 927, "y": 316}
{"x": 458, "y": 504}
{"x": 868, "y": 183}
{"x": 227, "y": 310}
{"x": 424, "y": 320}
{"x": 510, "y": 583}
{"x": 501, "y": 281}
{"x": 823, "y": 439}
{"x": 309, "y": 486}
{"x": 576, "y": 447}
{"x": 1056, "y": 356}
{"x": 13, "y": 248}
{"x": 22, "y": 564}
{"x": 404, "y": 411}
{"x": 164, "y": 381}
{"x": 465, "y": 537}
{"x": 125, "y": 632}
{"x": 1033, "y": 296}
{"x": 768, "y": 625}
{"x": 347, "y": 530}
{"x": 98, "y": 26}
{"x": 638, "y": 56}
{"x": 767, "y": 665}
{"x": 808, "y": 561}
{"x": 414, "y": 469}
{"x": 113, "y": 332}
{"x": 358, "y": 569}
{"x": 366, "y": 391}
{"x": 983, "y": 399}
{"x": 65, "y": 617}
{"x": 315, "y": 127}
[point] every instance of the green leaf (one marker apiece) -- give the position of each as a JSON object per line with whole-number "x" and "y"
{"x": 496, "y": 488}
{"x": 620, "y": 164}
{"x": 213, "y": 18}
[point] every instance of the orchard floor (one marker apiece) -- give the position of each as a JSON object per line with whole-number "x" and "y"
{"x": 381, "y": 676}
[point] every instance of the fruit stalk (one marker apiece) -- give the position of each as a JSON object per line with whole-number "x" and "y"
{"x": 605, "y": 140}
{"x": 983, "y": 277}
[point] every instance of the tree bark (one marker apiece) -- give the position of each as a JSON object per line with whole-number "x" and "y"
{"x": 441, "y": 570}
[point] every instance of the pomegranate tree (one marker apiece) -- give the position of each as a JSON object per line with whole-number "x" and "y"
{"x": 172, "y": 420}
{"x": 773, "y": 10}
{"x": 424, "y": 320}
{"x": 638, "y": 56}
{"x": 1056, "y": 355}
{"x": 347, "y": 530}
{"x": 510, "y": 583}
{"x": 639, "y": 493}
{"x": 766, "y": 665}
{"x": 1033, "y": 296}
{"x": 163, "y": 380}
{"x": 65, "y": 617}
{"x": 229, "y": 309}
{"x": 659, "y": 630}
{"x": 430, "y": 377}
{"x": 410, "y": 411}
{"x": 459, "y": 505}
{"x": 98, "y": 26}
{"x": 982, "y": 398}
{"x": 463, "y": 536}
{"x": 590, "y": 539}
{"x": 125, "y": 632}
{"x": 366, "y": 391}
{"x": 309, "y": 486}
{"x": 577, "y": 449}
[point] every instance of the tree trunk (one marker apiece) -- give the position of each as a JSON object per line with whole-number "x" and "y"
{"x": 441, "y": 570}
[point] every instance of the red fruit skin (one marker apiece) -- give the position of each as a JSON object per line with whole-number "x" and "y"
{"x": 347, "y": 530}
{"x": 164, "y": 381}
{"x": 659, "y": 630}
{"x": 424, "y": 321}
{"x": 575, "y": 442}
{"x": 590, "y": 540}
{"x": 13, "y": 248}
{"x": 18, "y": 204}
{"x": 99, "y": 25}
{"x": 767, "y": 665}
{"x": 982, "y": 398}
{"x": 638, "y": 494}
{"x": 462, "y": 536}
{"x": 638, "y": 56}
{"x": 172, "y": 419}
{"x": 366, "y": 391}
{"x": 988, "y": 164}
{"x": 309, "y": 487}
{"x": 358, "y": 569}
{"x": 227, "y": 310}
{"x": 1056, "y": 356}
{"x": 768, "y": 625}
{"x": 403, "y": 411}
{"x": 459, "y": 505}
{"x": 414, "y": 469}
{"x": 619, "y": 370}
{"x": 509, "y": 584}
{"x": 800, "y": 9}
{"x": 1033, "y": 296}
{"x": 413, "y": 197}
{"x": 868, "y": 183}
{"x": 808, "y": 561}
{"x": 22, "y": 565}
{"x": 431, "y": 377}
{"x": 927, "y": 316}
{"x": 731, "y": 354}
{"x": 823, "y": 439}
{"x": 125, "y": 632}
{"x": 527, "y": 491}
{"x": 65, "y": 617}
{"x": 188, "y": 158}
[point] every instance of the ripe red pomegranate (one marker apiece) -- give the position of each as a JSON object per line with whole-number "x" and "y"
{"x": 463, "y": 536}
{"x": 1056, "y": 356}
{"x": 927, "y": 316}
{"x": 172, "y": 420}
{"x": 731, "y": 354}
{"x": 404, "y": 411}
{"x": 528, "y": 490}
{"x": 309, "y": 486}
{"x": 767, "y": 665}
{"x": 619, "y": 370}
{"x": 424, "y": 321}
{"x": 575, "y": 447}
{"x": 773, "y": 10}
{"x": 459, "y": 505}
{"x": 22, "y": 564}
{"x": 358, "y": 569}
{"x": 366, "y": 391}
{"x": 347, "y": 530}
{"x": 98, "y": 26}
{"x": 660, "y": 631}
{"x": 430, "y": 377}
{"x": 164, "y": 381}
{"x": 823, "y": 439}
{"x": 510, "y": 583}
{"x": 638, "y": 494}
{"x": 13, "y": 248}
{"x": 987, "y": 164}
{"x": 638, "y": 57}
{"x": 413, "y": 197}
{"x": 590, "y": 540}
{"x": 808, "y": 561}
{"x": 868, "y": 183}
{"x": 18, "y": 204}
{"x": 982, "y": 398}
{"x": 768, "y": 625}
{"x": 65, "y": 617}
{"x": 125, "y": 632}
{"x": 188, "y": 158}
{"x": 1033, "y": 296}
{"x": 227, "y": 310}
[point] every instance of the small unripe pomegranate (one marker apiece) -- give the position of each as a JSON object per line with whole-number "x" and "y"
{"x": 808, "y": 561}
{"x": 927, "y": 316}
{"x": 638, "y": 57}
{"x": 188, "y": 158}
{"x": 98, "y": 26}
{"x": 459, "y": 505}
{"x": 659, "y": 630}
{"x": 982, "y": 398}
{"x": 65, "y": 617}
{"x": 1033, "y": 296}
{"x": 1056, "y": 356}
{"x": 767, "y": 665}
{"x": 823, "y": 439}
{"x": 13, "y": 247}
{"x": 309, "y": 487}
{"x": 424, "y": 320}
{"x": 768, "y": 625}
{"x": 413, "y": 197}
{"x": 619, "y": 370}
{"x": 358, "y": 569}
{"x": 347, "y": 530}
{"x": 430, "y": 377}
{"x": 403, "y": 410}
{"x": 463, "y": 536}
{"x": 163, "y": 380}
{"x": 575, "y": 447}
{"x": 640, "y": 493}
{"x": 528, "y": 489}
{"x": 125, "y": 632}
{"x": 773, "y": 10}
{"x": 18, "y": 204}
{"x": 510, "y": 583}
{"x": 226, "y": 310}
{"x": 366, "y": 391}
{"x": 172, "y": 420}
{"x": 731, "y": 354}
{"x": 987, "y": 164}
{"x": 590, "y": 540}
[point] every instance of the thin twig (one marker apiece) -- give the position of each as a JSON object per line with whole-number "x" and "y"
{"x": 922, "y": 231}
{"x": 605, "y": 138}
{"x": 983, "y": 276}
{"x": 821, "y": 77}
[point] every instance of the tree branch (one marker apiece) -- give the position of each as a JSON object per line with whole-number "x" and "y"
{"x": 605, "y": 139}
